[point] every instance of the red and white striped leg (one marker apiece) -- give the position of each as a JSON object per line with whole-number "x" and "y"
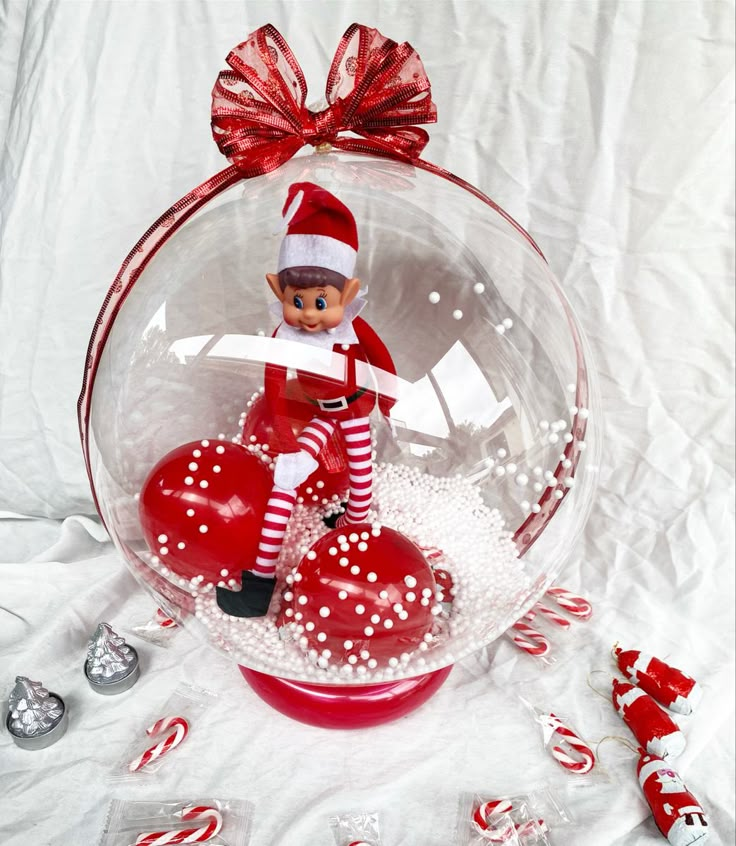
{"x": 281, "y": 502}
{"x": 278, "y": 510}
{"x": 357, "y": 435}
{"x": 315, "y": 435}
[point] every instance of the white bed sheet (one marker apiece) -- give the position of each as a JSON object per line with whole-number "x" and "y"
{"x": 607, "y": 130}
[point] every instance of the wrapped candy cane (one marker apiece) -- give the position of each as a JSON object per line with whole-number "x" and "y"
{"x": 552, "y": 615}
{"x": 210, "y": 816}
{"x": 163, "y": 619}
{"x": 676, "y": 811}
{"x": 356, "y": 829}
{"x": 202, "y": 819}
{"x": 572, "y": 752}
{"x": 180, "y": 730}
{"x": 654, "y": 729}
{"x": 483, "y": 819}
{"x": 568, "y": 601}
{"x": 529, "y": 639}
{"x": 668, "y": 685}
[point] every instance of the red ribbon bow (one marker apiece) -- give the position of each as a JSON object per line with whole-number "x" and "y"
{"x": 376, "y": 89}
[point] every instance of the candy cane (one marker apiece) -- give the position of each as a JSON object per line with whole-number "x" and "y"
{"x": 487, "y": 809}
{"x": 431, "y": 553}
{"x": 163, "y": 619}
{"x": 484, "y": 813}
{"x": 172, "y": 740}
{"x": 552, "y": 615}
{"x": 574, "y": 743}
{"x": 575, "y": 605}
{"x": 186, "y": 835}
{"x": 530, "y": 640}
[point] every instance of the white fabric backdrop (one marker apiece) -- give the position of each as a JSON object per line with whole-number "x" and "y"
{"x": 606, "y": 129}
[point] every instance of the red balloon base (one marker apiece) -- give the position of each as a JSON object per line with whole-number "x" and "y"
{"x": 343, "y": 706}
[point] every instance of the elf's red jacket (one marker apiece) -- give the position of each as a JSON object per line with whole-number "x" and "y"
{"x": 335, "y": 399}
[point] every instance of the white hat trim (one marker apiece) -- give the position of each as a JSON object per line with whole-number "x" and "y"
{"x": 317, "y": 251}
{"x": 650, "y": 768}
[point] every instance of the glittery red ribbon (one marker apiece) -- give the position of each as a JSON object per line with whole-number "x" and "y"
{"x": 376, "y": 90}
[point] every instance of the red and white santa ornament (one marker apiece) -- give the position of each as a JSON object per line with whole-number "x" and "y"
{"x": 654, "y": 729}
{"x": 668, "y": 685}
{"x": 676, "y": 811}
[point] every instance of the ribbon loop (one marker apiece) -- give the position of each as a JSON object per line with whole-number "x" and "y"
{"x": 376, "y": 90}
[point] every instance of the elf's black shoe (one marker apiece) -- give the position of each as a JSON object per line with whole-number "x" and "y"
{"x": 251, "y": 601}
{"x": 331, "y": 521}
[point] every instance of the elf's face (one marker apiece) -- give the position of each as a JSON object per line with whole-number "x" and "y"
{"x": 314, "y": 309}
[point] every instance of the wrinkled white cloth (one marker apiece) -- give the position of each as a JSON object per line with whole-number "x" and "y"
{"x": 606, "y": 129}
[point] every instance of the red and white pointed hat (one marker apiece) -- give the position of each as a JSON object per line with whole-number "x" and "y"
{"x": 320, "y": 231}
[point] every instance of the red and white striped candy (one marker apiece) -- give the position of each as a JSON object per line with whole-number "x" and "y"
{"x": 431, "y": 553}
{"x": 570, "y": 743}
{"x": 201, "y": 834}
{"x": 180, "y": 730}
{"x": 163, "y": 619}
{"x": 552, "y": 615}
{"x": 568, "y": 601}
{"x": 532, "y": 828}
{"x": 487, "y": 809}
{"x": 529, "y": 639}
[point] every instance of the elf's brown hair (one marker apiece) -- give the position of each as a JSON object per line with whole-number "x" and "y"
{"x": 310, "y": 277}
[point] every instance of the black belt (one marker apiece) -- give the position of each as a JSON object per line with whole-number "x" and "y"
{"x": 339, "y": 404}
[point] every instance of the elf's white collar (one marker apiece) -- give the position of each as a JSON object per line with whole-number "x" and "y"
{"x": 341, "y": 334}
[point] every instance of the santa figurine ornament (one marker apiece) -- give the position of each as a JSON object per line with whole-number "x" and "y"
{"x": 676, "y": 811}
{"x": 319, "y": 303}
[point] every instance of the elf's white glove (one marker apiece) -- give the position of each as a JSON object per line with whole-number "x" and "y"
{"x": 293, "y": 468}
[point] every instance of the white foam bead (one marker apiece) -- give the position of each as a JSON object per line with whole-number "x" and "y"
{"x": 433, "y": 297}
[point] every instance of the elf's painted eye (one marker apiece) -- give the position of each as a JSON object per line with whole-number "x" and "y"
{"x": 321, "y": 303}
{"x": 298, "y": 302}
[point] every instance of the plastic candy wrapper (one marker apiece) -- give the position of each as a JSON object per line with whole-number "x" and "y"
{"x": 216, "y": 822}
{"x": 162, "y": 733}
{"x": 530, "y": 640}
{"x": 160, "y": 629}
{"x": 356, "y": 829}
{"x": 567, "y": 747}
{"x": 527, "y": 819}
{"x": 544, "y": 627}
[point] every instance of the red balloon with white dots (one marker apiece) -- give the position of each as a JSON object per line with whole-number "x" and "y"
{"x": 362, "y": 597}
{"x": 201, "y": 509}
{"x": 331, "y": 478}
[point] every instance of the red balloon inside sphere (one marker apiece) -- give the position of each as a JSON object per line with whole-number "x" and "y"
{"x": 367, "y": 598}
{"x": 202, "y": 506}
{"x": 331, "y": 477}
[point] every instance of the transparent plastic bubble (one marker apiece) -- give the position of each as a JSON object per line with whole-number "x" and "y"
{"x": 487, "y": 466}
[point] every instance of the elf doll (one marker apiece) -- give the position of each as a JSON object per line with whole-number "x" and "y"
{"x": 319, "y": 302}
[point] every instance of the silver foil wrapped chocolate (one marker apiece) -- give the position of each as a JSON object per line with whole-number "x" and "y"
{"x": 112, "y": 665}
{"x": 36, "y": 717}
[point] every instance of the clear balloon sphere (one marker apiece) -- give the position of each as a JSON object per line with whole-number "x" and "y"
{"x": 483, "y": 475}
